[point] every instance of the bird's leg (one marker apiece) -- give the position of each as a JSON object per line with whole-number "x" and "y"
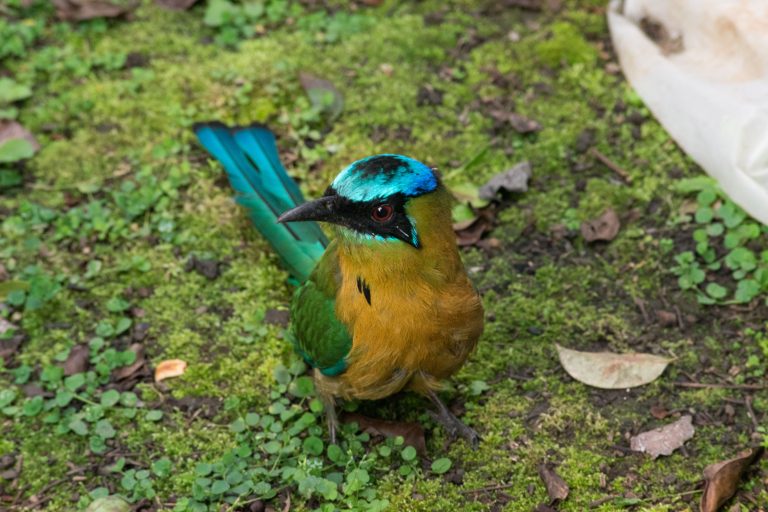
{"x": 329, "y": 404}
{"x": 453, "y": 425}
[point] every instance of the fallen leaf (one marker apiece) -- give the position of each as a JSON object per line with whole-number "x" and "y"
{"x": 557, "y": 489}
{"x": 78, "y": 10}
{"x": 518, "y": 122}
{"x": 659, "y": 412}
{"x": 512, "y": 180}
{"x": 109, "y": 504}
{"x": 32, "y": 389}
{"x": 169, "y": 368}
{"x": 127, "y": 371}
{"x": 8, "y": 348}
{"x": 412, "y": 432}
{"x": 322, "y": 94}
{"x": 279, "y": 317}
{"x": 209, "y": 268}
{"x": 176, "y": 5}
{"x": 663, "y": 440}
{"x": 604, "y": 228}
{"x": 529, "y": 5}
{"x": 5, "y": 326}
{"x": 607, "y": 370}
{"x": 471, "y": 231}
{"x": 722, "y": 478}
{"x": 13, "y": 130}
{"x": 77, "y": 360}
{"x": 428, "y": 95}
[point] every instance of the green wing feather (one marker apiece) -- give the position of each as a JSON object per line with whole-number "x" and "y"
{"x": 319, "y": 337}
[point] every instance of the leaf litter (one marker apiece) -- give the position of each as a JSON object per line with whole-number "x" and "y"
{"x": 411, "y": 431}
{"x": 722, "y": 478}
{"x": 80, "y": 10}
{"x": 602, "y": 229}
{"x": 170, "y": 368}
{"x": 608, "y": 370}
{"x": 664, "y": 440}
{"x": 557, "y": 489}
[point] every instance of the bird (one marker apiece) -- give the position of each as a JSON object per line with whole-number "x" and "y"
{"x": 386, "y": 305}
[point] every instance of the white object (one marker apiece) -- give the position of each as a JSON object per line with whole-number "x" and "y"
{"x": 708, "y": 85}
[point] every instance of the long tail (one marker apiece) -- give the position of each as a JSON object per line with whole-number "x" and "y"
{"x": 263, "y": 187}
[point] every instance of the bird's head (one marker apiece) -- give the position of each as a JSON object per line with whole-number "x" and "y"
{"x": 370, "y": 199}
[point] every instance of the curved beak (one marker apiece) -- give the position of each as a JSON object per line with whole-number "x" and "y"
{"x": 322, "y": 209}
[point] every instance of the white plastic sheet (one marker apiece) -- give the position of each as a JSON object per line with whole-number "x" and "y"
{"x": 706, "y": 81}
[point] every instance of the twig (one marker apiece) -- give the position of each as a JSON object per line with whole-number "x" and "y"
{"x": 702, "y": 385}
{"x": 751, "y": 412}
{"x": 597, "y": 503}
{"x": 486, "y": 489}
{"x": 640, "y": 303}
{"x": 612, "y": 165}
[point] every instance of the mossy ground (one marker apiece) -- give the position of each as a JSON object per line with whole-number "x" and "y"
{"x": 100, "y": 125}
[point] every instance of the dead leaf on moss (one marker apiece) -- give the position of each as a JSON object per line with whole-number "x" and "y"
{"x": 13, "y": 130}
{"x": 412, "y": 432}
{"x": 607, "y": 370}
{"x": 128, "y": 371}
{"x": 170, "y": 368}
{"x": 512, "y": 180}
{"x": 79, "y": 10}
{"x": 77, "y": 360}
{"x": 557, "y": 489}
{"x": 469, "y": 232}
{"x": 722, "y": 478}
{"x": 664, "y": 440}
{"x": 604, "y": 228}
{"x": 176, "y": 5}
{"x": 323, "y": 95}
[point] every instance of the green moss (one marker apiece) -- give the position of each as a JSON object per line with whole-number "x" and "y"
{"x": 567, "y": 45}
{"x": 119, "y": 123}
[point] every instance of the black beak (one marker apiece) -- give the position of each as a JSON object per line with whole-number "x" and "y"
{"x": 322, "y": 209}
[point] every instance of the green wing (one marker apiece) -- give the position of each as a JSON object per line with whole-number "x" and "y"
{"x": 318, "y": 336}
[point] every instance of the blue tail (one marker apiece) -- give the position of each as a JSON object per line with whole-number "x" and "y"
{"x": 263, "y": 187}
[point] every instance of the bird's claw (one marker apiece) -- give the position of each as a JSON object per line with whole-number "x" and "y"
{"x": 454, "y": 427}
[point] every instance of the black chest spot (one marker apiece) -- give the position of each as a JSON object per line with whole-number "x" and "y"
{"x": 363, "y": 288}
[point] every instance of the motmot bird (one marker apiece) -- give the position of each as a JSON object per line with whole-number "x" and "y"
{"x": 386, "y": 305}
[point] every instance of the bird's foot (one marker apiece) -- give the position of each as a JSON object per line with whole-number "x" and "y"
{"x": 455, "y": 428}
{"x": 453, "y": 425}
{"x": 330, "y": 417}
{"x": 332, "y": 424}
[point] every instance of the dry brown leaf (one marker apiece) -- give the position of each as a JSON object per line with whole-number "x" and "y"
{"x": 279, "y": 317}
{"x": 512, "y": 180}
{"x": 78, "y": 10}
{"x": 412, "y": 432}
{"x": 319, "y": 91}
{"x": 470, "y": 232}
{"x": 519, "y": 123}
{"x": 722, "y": 478}
{"x": 607, "y": 370}
{"x": 13, "y": 130}
{"x": 604, "y": 228}
{"x": 170, "y": 368}
{"x": 77, "y": 360}
{"x": 5, "y": 326}
{"x": 663, "y": 440}
{"x": 557, "y": 489}
{"x": 128, "y": 371}
{"x": 176, "y": 5}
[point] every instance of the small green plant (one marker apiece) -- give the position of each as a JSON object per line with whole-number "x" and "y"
{"x": 79, "y": 403}
{"x": 285, "y": 447}
{"x": 727, "y": 264}
{"x": 35, "y": 290}
{"x": 235, "y": 21}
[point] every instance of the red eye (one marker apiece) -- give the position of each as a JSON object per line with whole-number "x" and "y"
{"x": 382, "y": 213}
